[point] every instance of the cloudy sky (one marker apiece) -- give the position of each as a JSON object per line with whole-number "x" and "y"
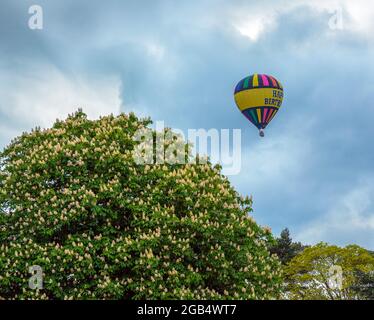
{"x": 179, "y": 61}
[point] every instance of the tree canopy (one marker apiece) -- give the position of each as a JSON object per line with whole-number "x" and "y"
{"x": 329, "y": 272}
{"x": 285, "y": 248}
{"x": 100, "y": 226}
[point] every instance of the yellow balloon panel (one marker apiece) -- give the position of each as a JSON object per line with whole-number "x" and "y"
{"x": 259, "y": 97}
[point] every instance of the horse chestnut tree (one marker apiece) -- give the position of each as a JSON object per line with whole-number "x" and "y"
{"x": 101, "y": 226}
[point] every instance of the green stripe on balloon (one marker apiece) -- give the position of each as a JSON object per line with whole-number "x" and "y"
{"x": 246, "y": 82}
{"x": 254, "y": 116}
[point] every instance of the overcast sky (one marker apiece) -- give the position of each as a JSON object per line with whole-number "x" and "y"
{"x": 179, "y": 61}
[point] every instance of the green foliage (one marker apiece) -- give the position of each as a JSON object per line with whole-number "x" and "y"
{"x": 284, "y": 248}
{"x": 364, "y": 287}
{"x": 74, "y": 202}
{"x": 309, "y": 274}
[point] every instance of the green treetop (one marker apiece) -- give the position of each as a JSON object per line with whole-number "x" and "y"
{"x": 328, "y": 272}
{"x": 74, "y": 202}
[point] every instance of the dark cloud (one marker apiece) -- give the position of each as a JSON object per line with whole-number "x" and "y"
{"x": 180, "y": 63}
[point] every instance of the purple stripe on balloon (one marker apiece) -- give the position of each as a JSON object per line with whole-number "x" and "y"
{"x": 248, "y": 116}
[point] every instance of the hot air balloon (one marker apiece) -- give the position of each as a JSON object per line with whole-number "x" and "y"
{"x": 259, "y": 98}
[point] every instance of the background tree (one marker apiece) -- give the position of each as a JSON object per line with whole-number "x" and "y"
{"x": 74, "y": 202}
{"x": 365, "y": 283}
{"x": 284, "y": 248}
{"x": 364, "y": 287}
{"x": 313, "y": 274}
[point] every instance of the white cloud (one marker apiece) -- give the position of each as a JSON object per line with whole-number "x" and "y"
{"x": 358, "y": 16}
{"x": 362, "y": 14}
{"x": 349, "y": 220}
{"x": 38, "y": 97}
{"x": 254, "y": 20}
{"x": 253, "y": 27}
{"x": 156, "y": 51}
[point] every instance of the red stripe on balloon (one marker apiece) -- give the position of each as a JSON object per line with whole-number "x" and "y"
{"x": 265, "y": 113}
{"x": 265, "y": 80}
{"x": 273, "y": 115}
{"x": 275, "y": 83}
{"x": 269, "y": 115}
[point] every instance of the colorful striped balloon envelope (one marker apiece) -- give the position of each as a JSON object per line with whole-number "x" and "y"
{"x": 259, "y": 98}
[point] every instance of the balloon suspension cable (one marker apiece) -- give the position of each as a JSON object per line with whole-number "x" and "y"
{"x": 262, "y": 133}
